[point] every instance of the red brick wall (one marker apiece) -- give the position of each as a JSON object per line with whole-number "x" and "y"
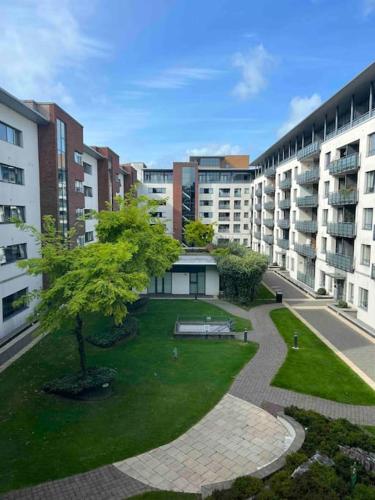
{"x": 107, "y": 177}
{"x": 130, "y": 178}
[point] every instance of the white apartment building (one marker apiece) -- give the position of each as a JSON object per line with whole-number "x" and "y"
{"x": 90, "y": 159}
{"x": 314, "y": 198}
{"x": 19, "y": 197}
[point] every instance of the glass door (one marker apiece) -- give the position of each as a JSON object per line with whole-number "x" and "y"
{"x": 197, "y": 283}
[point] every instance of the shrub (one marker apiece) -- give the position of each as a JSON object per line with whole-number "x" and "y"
{"x": 76, "y": 384}
{"x": 363, "y": 492}
{"x": 138, "y": 304}
{"x": 246, "y": 487}
{"x": 321, "y": 291}
{"x": 108, "y": 338}
{"x": 342, "y": 303}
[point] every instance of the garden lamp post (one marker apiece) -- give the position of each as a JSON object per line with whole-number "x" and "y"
{"x": 295, "y": 341}
{"x": 245, "y": 336}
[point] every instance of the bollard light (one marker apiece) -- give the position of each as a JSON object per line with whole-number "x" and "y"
{"x": 245, "y": 336}
{"x": 295, "y": 341}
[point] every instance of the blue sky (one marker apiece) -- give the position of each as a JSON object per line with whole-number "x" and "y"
{"x": 158, "y": 80}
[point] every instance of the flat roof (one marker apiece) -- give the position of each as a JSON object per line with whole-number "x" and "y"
{"x": 18, "y": 106}
{"x": 195, "y": 260}
{"x": 92, "y": 152}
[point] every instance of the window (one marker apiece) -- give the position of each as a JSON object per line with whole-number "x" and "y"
{"x": 236, "y": 228}
{"x": 324, "y": 245}
{"x": 89, "y": 236}
{"x": 292, "y": 262}
{"x": 13, "y": 175}
{"x": 206, "y": 203}
{"x": 78, "y": 158}
{"x": 206, "y": 190}
{"x": 327, "y": 159}
{"x": 157, "y": 190}
{"x": 159, "y": 215}
{"x": 370, "y": 182}
{"x": 209, "y": 162}
{"x": 224, "y": 192}
{"x": 246, "y": 215}
{"x": 326, "y": 189}
{"x": 367, "y": 218}
{"x": 9, "y": 306}
{"x": 294, "y": 216}
{"x": 245, "y": 242}
{"x": 81, "y": 240}
{"x": 246, "y": 227}
{"x": 87, "y": 191}
{"x": 322, "y": 282}
{"x": 79, "y": 212}
{"x": 78, "y": 186}
{"x": 325, "y": 216}
{"x": 363, "y": 298}
{"x": 10, "y": 134}
{"x": 12, "y": 253}
{"x": 246, "y": 191}
{"x": 206, "y": 215}
{"x": 371, "y": 144}
{"x": 246, "y": 203}
{"x": 62, "y": 175}
{"x": 87, "y": 168}
{"x": 158, "y": 176}
{"x": 162, "y": 203}
{"x": 88, "y": 213}
{"x": 294, "y": 194}
{"x": 7, "y": 212}
{"x": 237, "y": 192}
{"x": 365, "y": 255}
{"x": 237, "y": 204}
{"x": 237, "y": 216}
{"x": 351, "y": 293}
{"x": 293, "y": 237}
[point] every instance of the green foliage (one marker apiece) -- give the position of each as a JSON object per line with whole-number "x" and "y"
{"x": 197, "y": 234}
{"x": 76, "y": 384}
{"x": 363, "y": 492}
{"x": 342, "y": 304}
{"x": 241, "y": 271}
{"x": 139, "y": 304}
{"x": 109, "y": 337}
{"x": 246, "y": 486}
{"x": 321, "y": 291}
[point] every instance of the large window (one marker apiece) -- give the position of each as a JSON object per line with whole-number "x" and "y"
{"x": 206, "y": 190}
{"x": 161, "y": 284}
{"x": 206, "y": 203}
{"x": 13, "y": 175}
{"x": 370, "y": 182}
{"x": 10, "y": 134}
{"x": 209, "y": 162}
{"x": 326, "y": 189}
{"x": 157, "y": 190}
{"x": 7, "y": 212}
{"x": 88, "y": 191}
{"x": 158, "y": 176}
{"x": 12, "y": 253}
{"x": 9, "y": 306}
{"x": 363, "y": 298}
{"x": 78, "y": 186}
{"x": 78, "y": 157}
{"x": 87, "y": 168}
{"x": 62, "y": 176}
{"x": 371, "y": 144}
{"x": 365, "y": 255}
{"x": 89, "y": 236}
{"x": 367, "y": 218}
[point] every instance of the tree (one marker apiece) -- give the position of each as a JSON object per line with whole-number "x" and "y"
{"x": 197, "y": 234}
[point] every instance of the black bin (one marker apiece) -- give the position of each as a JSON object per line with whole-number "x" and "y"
{"x": 279, "y": 297}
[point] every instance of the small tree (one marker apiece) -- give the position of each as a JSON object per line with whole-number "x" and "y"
{"x": 197, "y": 234}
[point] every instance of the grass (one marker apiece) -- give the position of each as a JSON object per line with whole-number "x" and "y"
{"x": 314, "y": 369}
{"x": 156, "y": 398}
{"x": 263, "y": 296}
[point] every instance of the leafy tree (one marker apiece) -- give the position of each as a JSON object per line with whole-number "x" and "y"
{"x": 197, "y": 234}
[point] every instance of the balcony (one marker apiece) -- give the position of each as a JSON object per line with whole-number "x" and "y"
{"x": 269, "y": 205}
{"x": 283, "y": 223}
{"x": 269, "y": 189}
{"x": 307, "y": 278}
{"x": 342, "y": 229}
{"x": 285, "y": 183}
{"x": 309, "y": 177}
{"x": 224, "y": 194}
{"x": 373, "y": 271}
{"x": 340, "y": 261}
{"x": 224, "y": 229}
{"x": 269, "y": 222}
{"x": 306, "y": 226}
{"x": 284, "y": 204}
{"x": 258, "y": 206}
{"x": 307, "y": 201}
{"x": 306, "y": 250}
{"x": 257, "y": 235}
{"x": 347, "y": 165}
{"x": 258, "y": 221}
{"x": 309, "y": 151}
{"x": 270, "y": 172}
{"x": 224, "y": 218}
{"x": 343, "y": 197}
{"x": 268, "y": 238}
{"x": 283, "y": 243}
{"x": 258, "y": 191}
{"x": 224, "y": 205}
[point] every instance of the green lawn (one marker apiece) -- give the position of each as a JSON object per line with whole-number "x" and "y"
{"x": 314, "y": 369}
{"x": 155, "y": 398}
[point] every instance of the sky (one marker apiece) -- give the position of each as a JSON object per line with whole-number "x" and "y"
{"x": 158, "y": 80}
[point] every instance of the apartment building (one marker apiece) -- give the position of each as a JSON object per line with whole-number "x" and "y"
{"x": 213, "y": 189}
{"x": 314, "y": 198}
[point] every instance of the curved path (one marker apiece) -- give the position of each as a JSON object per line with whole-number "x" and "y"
{"x": 254, "y": 381}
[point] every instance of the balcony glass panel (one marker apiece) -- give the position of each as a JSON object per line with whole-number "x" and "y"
{"x": 307, "y": 278}
{"x": 309, "y": 151}
{"x": 283, "y": 223}
{"x": 269, "y": 189}
{"x": 285, "y": 183}
{"x": 284, "y": 204}
{"x": 340, "y": 261}
{"x": 309, "y": 177}
{"x": 269, "y": 205}
{"x": 283, "y": 243}
{"x": 306, "y": 226}
{"x": 345, "y": 165}
{"x": 270, "y": 172}
{"x": 343, "y": 197}
{"x": 307, "y": 201}
{"x": 342, "y": 229}
{"x": 268, "y": 222}
{"x": 306, "y": 250}
{"x": 268, "y": 238}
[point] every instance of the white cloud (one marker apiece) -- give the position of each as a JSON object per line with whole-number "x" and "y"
{"x": 299, "y": 108}
{"x": 40, "y": 40}
{"x": 368, "y": 7}
{"x": 175, "y": 78}
{"x": 215, "y": 150}
{"x": 254, "y": 67}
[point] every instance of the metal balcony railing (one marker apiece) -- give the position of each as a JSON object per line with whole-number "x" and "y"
{"x": 270, "y": 172}
{"x": 306, "y": 250}
{"x": 257, "y": 234}
{"x": 284, "y": 204}
{"x": 307, "y": 201}
{"x": 285, "y": 183}
{"x": 268, "y": 222}
{"x": 269, "y": 189}
{"x": 342, "y": 229}
{"x": 343, "y": 197}
{"x": 309, "y": 151}
{"x": 307, "y": 278}
{"x": 340, "y": 261}
{"x": 345, "y": 165}
{"x": 268, "y": 238}
{"x": 306, "y": 226}
{"x": 309, "y": 177}
{"x": 283, "y": 243}
{"x": 269, "y": 205}
{"x": 283, "y": 223}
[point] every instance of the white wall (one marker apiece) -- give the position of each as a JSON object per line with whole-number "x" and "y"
{"x": 212, "y": 281}
{"x": 180, "y": 283}
{"x": 92, "y": 181}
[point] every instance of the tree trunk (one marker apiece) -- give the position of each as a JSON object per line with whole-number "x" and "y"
{"x": 81, "y": 345}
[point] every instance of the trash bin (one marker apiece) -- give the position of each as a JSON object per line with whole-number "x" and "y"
{"x": 279, "y": 297}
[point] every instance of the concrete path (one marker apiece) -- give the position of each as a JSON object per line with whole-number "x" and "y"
{"x": 233, "y": 439}
{"x": 289, "y": 291}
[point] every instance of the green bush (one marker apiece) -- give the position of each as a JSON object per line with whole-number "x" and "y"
{"x": 108, "y": 338}
{"x": 138, "y": 304}
{"x": 322, "y": 291}
{"x": 342, "y": 304}
{"x": 75, "y": 384}
{"x": 246, "y": 487}
{"x": 363, "y": 492}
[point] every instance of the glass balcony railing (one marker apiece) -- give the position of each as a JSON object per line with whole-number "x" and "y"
{"x": 307, "y": 278}
{"x": 282, "y": 243}
{"x": 373, "y": 271}
{"x": 268, "y": 238}
{"x": 340, "y": 261}
{"x": 225, "y": 218}
{"x": 343, "y": 197}
{"x": 306, "y": 250}
{"x": 345, "y": 165}
{"x": 224, "y": 194}
{"x": 284, "y": 204}
{"x": 269, "y": 189}
{"x": 258, "y": 221}
{"x": 257, "y": 234}
{"x": 283, "y": 223}
{"x": 307, "y": 201}
{"x": 309, "y": 177}
{"x": 270, "y": 172}
{"x": 258, "y": 206}
{"x": 285, "y": 183}
{"x": 269, "y": 205}
{"x": 258, "y": 192}
{"x": 306, "y": 226}
{"x": 268, "y": 222}
{"x": 309, "y": 151}
{"x": 342, "y": 229}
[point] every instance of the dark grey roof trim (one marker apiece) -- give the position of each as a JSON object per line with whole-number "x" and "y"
{"x": 19, "y": 107}
{"x": 92, "y": 152}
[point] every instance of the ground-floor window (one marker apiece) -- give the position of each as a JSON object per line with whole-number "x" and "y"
{"x": 161, "y": 285}
{"x": 9, "y": 306}
{"x": 351, "y": 293}
{"x": 322, "y": 279}
{"x": 197, "y": 283}
{"x": 363, "y": 298}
